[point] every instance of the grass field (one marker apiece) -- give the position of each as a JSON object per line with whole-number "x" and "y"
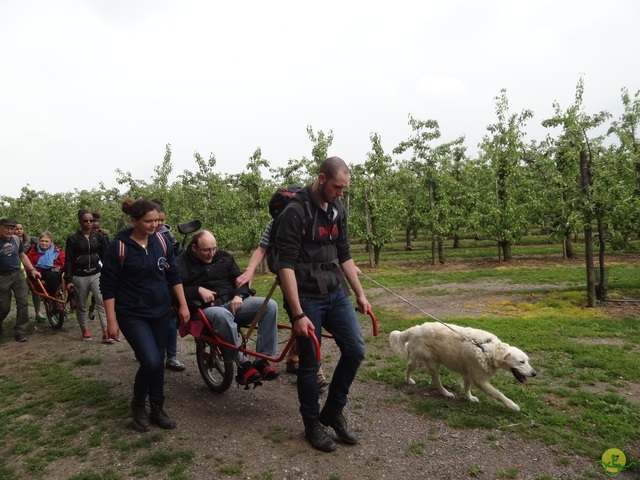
{"x": 585, "y": 400}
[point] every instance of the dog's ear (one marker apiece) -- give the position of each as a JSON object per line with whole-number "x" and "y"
{"x": 502, "y": 353}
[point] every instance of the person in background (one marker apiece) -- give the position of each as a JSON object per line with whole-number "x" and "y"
{"x": 49, "y": 260}
{"x": 97, "y": 226}
{"x": 209, "y": 276}
{"x": 172, "y": 362}
{"x": 84, "y": 251}
{"x": 139, "y": 272}
{"x": 12, "y": 279}
{"x": 314, "y": 259}
{"x": 28, "y": 243}
{"x": 258, "y": 254}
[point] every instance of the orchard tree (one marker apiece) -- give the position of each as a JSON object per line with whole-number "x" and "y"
{"x": 434, "y": 165}
{"x": 577, "y": 147}
{"x": 502, "y": 151}
{"x": 376, "y": 207}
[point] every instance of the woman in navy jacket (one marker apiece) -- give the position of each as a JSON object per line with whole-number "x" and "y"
{"x": 138, "y": 266}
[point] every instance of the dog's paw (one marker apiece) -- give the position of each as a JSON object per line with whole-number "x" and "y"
{"x": 447, "y": 393}
{"x": 513, "y": 406}
{"x": 473, "y": 399}
{"x": 411, "y": 381}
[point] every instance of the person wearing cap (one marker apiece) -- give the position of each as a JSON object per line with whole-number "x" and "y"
{"x": 12, "y": 279}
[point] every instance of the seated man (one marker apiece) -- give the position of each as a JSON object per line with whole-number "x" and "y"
{"x": 209, "y": 276}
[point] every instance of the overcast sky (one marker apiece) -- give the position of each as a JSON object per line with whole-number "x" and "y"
{"x": 88, "y": 86}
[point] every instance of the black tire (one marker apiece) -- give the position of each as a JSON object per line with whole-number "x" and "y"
{"x": 215, "y": 365}
{"x": 56, "y": 315}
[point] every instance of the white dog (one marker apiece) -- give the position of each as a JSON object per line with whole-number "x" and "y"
{"x": 475, "y": 354}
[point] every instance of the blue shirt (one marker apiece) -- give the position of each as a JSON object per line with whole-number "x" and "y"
{"x": 10, "y": 251}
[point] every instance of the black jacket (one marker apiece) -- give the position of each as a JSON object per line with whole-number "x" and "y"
{"x": 84, "y": 255}
{"x": 311, "y": 246}
{"x": 219, "y": 275}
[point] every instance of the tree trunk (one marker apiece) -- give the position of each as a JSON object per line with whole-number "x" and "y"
{"x": 433, "y": 249}
{"x": 407, "y": 235}
{"x": 441, "y": 256}
{"x": 505, "y": 246}
{"x": 585, "y": 181}
{"x": 601, "y": 288}
{"x": 456, "y": 241}
{"x": 377, "y": 249}
{"x": 569, "y": 246}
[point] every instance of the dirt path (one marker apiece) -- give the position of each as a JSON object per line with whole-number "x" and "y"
{"x": 261, "y": 430}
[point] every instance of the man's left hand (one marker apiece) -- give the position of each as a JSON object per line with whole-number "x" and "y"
{"x": 235, "y": 304}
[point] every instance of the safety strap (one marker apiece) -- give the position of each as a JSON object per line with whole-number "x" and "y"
{"x": 317, "y": 268}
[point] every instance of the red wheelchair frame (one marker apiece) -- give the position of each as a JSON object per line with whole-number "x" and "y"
{"x": 215, "y": 357}
{"x": 55, "y": 306}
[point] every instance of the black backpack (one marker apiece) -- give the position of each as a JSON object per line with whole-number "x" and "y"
{"x": 277, "y": 204}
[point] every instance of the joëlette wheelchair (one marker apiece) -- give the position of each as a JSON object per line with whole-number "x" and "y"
{"x": 216, "y": 357}
{"x": 55, "y": 304}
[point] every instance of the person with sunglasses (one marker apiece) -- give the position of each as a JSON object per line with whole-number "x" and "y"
{"x": 84, "y": 251}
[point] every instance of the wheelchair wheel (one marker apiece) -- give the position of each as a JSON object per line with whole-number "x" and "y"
{"x": 215, "y": 365}
{"x": 56, "y": 312}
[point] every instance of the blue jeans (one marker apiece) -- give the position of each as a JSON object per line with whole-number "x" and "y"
{"x": 172, "y": 341}
{"x": 226, "y": 325}
{"x": 336, "y": 314}
{"x": 148, "y": 339}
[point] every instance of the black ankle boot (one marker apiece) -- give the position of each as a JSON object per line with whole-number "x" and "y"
{"x": 317, "y": 437}
{"x": 332, "y": 416}
{"x": 140, "y": 415}
{"x": 158, "y": 416}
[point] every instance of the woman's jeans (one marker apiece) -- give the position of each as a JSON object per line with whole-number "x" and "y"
{"x": 226, "y": 324}
{"x": 148, "y": 339}
{"x": 336, "y": 314}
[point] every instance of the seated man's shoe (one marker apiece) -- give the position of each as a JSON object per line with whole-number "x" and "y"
{"x": 267, "y": 372}
{"x": 317, "y": 437}
{"x": 174, "y": 364}
{"x": 332, "y": 416}
{"x": 21, "y": 337}
{"x": 247, "y": 374}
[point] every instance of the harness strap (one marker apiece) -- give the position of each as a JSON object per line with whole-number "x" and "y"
{"x": 317, "y": 268}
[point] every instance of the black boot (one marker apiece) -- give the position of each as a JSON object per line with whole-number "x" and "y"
{"x": 140, "y": 415}
{"x": 317, "y": 437}
{"x": 331, "y": 416}
{"x": 158, "y": 416}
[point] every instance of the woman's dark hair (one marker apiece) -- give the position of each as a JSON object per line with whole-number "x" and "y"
{"x": 139, "y": 208}
{"x": 96, "y": 215}
{"x": 82, "y": 213}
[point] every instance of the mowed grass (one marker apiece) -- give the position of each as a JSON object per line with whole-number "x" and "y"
{"x": 578, "y": 403}
{"x": 586, "y": 398}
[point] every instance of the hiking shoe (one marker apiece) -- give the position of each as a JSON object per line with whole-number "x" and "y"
{"x": 317, "y": 437}
{"x": 40, "y": 318}
{"x": 323, "y": 383}
{"x": 292, "y": 366}
{"x": 247, "y": 374}
{"x": 174, "y": 364}
{"x": 267, "y": 372}
{"x": 105, "y": 339}
{"x": 21, "y": 337}
{"x": 86, "y": 335}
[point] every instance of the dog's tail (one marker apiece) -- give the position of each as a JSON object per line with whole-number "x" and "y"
{"x": 398, "y": 342}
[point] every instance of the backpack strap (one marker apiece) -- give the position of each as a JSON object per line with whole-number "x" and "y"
{"x": 122, "y": 249}
{"x": 122, "y": 252}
